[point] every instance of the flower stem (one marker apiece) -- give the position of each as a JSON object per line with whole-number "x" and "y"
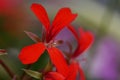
{"x": 7, "y": 69}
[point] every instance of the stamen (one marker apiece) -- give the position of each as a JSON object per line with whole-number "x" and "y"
{"x": 60, "y": 41}
{"x": 54, "y": 43}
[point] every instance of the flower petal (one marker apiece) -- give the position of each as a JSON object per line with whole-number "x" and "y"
{"x": 72, "y": 29}
{"x": 54, "y": 76}
{"x": 41, "y": 14}
{"x": 58, "y": 60}
{"x": 73, "y": 71}
{"x": 85, "y": 40}
{"x": 63, "y": 18}
{"x": 30, "y": 54}
{"x": 82, "y": 76}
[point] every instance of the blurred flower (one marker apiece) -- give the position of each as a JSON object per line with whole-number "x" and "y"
{"x": 105, "y": 64}
{"x": 54, "y": 75}
{"x": 3, "y": 52}
{"x": 7, "y": 5}
{"x": 84, "y": 40}
{"x": 13, "y": 17}
{"x": 30, "y": 54}
{"x": 70, "y": 75}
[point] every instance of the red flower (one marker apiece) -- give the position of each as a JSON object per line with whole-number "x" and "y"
{"x": 63, "y": 18}
{"x": 30, "y": 54}
{"x": 7, "y": 5}
{"x": 54, "y": 76}
{"x": 84, "y": 39}
{"x": 73, "y": 69}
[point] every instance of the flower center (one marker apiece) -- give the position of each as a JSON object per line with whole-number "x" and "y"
{"x": 54, "y": 43}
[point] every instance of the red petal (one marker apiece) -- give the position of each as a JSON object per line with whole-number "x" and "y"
{"x": 41, "y": 13}
{"x": 82, "y": 76}
{"x": 85, "y": 40}
{"x": 71, "y": 28}
{"x": 54, "y": 76}
{"x": 63, "y": 18}
{"x": 30, "y": 54}
{"x": 73, "y": 71}
{"x": 58, "y": 60}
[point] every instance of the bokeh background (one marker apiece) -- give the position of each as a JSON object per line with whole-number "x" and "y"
{"x": 101, "y": 17}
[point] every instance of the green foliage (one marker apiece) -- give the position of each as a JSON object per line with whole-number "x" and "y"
{"x": 34, "y": 74}
{"x": 41, "y": 63}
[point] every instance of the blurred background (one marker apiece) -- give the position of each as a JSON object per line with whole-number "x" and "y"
{"x": 101, "y": 17}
